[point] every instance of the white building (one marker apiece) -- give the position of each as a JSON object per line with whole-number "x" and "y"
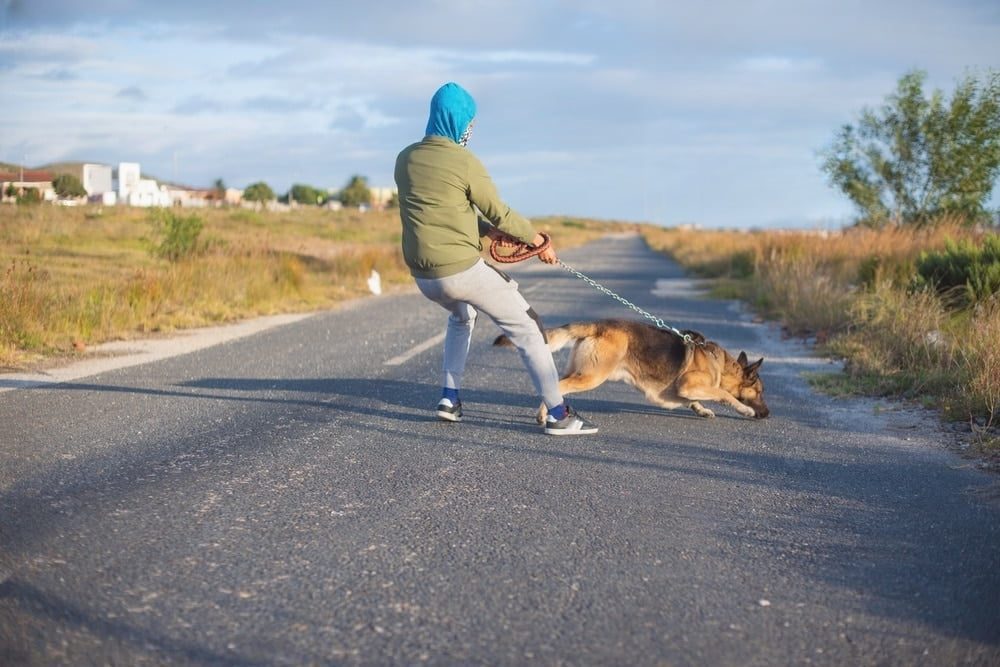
{"x": 148, "y": 192}
{"x": 128, "y": 179}
{"x": 137, "y": 191}
{"x": 96, "y": 179}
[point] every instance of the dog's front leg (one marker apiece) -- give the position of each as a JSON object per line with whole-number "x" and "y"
{"x": 543, "y": 412}
{"x": 694, "y": 390}
{"x": 701, "y": 410}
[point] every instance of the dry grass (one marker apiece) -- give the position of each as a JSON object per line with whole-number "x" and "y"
{"x": 849, "y": 290}
{"x": 74, "y": 277}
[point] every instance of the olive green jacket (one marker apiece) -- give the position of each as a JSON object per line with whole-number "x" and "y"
{"x": 441, "y": 184}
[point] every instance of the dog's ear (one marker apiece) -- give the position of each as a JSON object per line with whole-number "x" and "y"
{"x": 751, "y": 370}
{"x": 742, "y": 359}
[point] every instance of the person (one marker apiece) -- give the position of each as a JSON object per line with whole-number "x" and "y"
{"x": 441, "y": 185}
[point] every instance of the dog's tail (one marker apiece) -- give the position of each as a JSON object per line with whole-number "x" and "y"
{"x": 559, "y": 336}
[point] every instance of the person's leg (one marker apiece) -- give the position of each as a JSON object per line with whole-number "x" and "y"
{"x": 490, "y": 291}
{"x": 494, "y": 293}
{"x": 458, "y": 336}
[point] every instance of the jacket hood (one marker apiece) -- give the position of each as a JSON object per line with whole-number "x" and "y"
{"x": 452, "y": 109}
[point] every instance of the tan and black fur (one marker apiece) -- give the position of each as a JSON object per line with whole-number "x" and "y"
{"x": 657, "y": 362}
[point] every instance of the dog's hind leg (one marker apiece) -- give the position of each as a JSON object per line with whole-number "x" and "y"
{"x": 586, "y": 370}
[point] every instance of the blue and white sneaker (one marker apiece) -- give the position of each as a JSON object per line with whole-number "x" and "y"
{"x": 448, "y": 411}
{"x": 571, "y": 424}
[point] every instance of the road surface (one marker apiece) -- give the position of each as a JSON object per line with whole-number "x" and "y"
{"x": 288, "y": 498}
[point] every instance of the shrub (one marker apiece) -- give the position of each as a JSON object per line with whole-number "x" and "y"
{"x": 178, "y": 234}
{"x": 964, "y": 272}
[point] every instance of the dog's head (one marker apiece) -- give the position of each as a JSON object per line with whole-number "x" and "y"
{"x": 751, "y": 389}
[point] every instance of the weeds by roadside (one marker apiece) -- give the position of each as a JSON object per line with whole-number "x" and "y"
{"x": 914, "y": 311}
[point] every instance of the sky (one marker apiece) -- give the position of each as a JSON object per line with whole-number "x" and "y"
{"x": 711, "y": 113}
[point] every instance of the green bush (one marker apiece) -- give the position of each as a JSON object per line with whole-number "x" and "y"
{"x": 964, "y": 273}
{"x": 178, "y": 234}
{"x": 876, "y": 269}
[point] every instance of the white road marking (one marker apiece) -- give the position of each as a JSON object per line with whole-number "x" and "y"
{"x": 415, "y": 350}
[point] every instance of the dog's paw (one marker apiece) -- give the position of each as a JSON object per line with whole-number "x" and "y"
{"x": 747, "y": 411}
{"x": 702, "y": 411}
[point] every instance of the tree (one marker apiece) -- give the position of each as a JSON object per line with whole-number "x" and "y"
{"x": 916, "y": 159}
{"x": 356, "y": 192}
{"x": 68, "y": 186}
{"x": 307, "y": 194}
{"x": 259, "y": 192}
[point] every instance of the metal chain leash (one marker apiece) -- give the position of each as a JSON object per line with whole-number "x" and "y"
{"x": 687, "y": 338}
{"x": 525, "y": 251}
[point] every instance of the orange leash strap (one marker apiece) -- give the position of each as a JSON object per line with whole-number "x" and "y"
{"x": 521, "y": 251}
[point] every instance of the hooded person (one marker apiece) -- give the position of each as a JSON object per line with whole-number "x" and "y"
{"x": 447, "y": 204}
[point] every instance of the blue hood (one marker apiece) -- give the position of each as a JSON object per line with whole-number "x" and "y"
{"x": 452, "y": 109}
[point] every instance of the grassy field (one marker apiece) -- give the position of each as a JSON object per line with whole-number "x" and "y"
{"x": 857, "y": 293}
{"x": 75, "y": 277}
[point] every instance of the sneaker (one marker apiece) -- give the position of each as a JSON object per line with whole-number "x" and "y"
{"x": 571, "y": 424}
{"x": 448, "y": 411}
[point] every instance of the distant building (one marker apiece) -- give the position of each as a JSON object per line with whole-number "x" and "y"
{"x": 381, "y": 197}
{"x": 233, "y": 197}
{"x": 96, "y": 179}
{"x": 128, "y": 179}
{"x": 18, "y": 182}
{"x": 135, "y": 190}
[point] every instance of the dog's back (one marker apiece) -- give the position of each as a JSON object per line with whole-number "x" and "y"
{"x": 638, "y": 352}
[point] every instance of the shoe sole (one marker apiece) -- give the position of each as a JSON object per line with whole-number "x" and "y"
{"x": 449, "y": 417}
{"x": 566, "y": 431}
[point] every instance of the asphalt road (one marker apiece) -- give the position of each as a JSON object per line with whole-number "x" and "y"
{"x": 289, "y": 499}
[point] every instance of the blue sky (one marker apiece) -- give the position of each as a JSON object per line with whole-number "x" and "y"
{"x": 668, "y": 112}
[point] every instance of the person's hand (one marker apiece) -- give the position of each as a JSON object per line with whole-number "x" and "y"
{"x": 549, "y": 254}
{"x": 504, "y": 240}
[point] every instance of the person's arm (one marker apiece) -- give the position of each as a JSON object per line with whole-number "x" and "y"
{"x": 507, "y": 223}
{"x": 483, "y": 194}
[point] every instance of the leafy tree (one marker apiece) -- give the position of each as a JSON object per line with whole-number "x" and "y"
{"x": 356, "y": 192}
{"x": 307, "y": 194}
{"x": 259, "y": 192}
{"x": 915, "y": 159}
{"x": 219, "y": 190}
{"x": 68, "y": 185}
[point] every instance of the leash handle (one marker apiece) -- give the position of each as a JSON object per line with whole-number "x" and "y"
{"x": 522, "y": 250}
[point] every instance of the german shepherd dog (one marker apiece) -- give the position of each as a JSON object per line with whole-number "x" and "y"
{"x": 669, "y": 372}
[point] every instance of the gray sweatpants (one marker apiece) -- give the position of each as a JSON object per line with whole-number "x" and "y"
{"x": 484, "y": 288}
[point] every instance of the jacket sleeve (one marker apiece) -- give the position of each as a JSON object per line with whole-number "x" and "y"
{"x": 483, "y": 194}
